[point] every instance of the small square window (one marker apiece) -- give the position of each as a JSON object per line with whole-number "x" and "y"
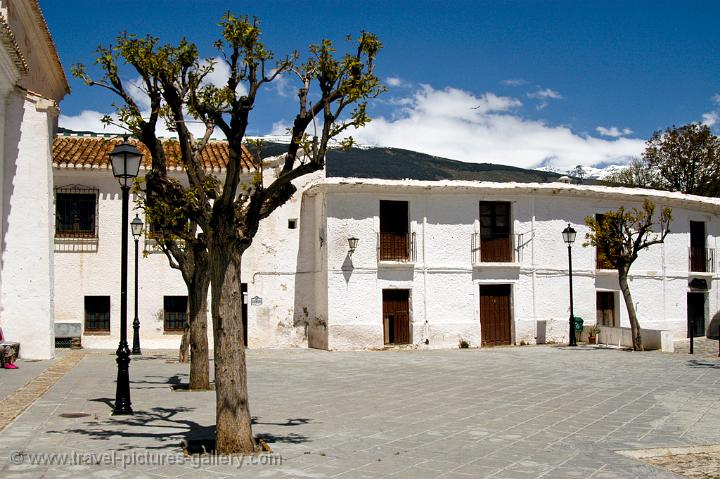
{"x": 174, "y": 312}
{"x": 292, "y": 223}
{"x": 97, "y": 314}
{"x": 76, "y": 212}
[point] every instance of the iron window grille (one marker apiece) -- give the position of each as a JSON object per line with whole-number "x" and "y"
{"x": 97, "y": 313}
{"x": 175, "y": 312}
{"x": 76, "y": 209}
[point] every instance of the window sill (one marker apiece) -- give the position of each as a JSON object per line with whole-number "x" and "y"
{"x": 96, "y": 333}
{"x": 606, "y": 272}
{"x": 178, "y": 332}
{"x": 396, "y": 264}
{"x": 497, "y": 265}
{"x": 704, "y": 274}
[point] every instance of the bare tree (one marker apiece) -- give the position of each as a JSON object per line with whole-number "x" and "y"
{"x": 228, "y": 211}
{"x": 619, "y": 236}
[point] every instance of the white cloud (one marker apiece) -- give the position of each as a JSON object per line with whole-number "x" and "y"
{"x": 716, "y": 98}
{"x": 547, "y": 93}
{"x": 514, "y": 82}
{"x": 88, "y": 120}
{"x": 280, "y": 128}
{"x": 282, "y": 85}
{"x": 456, "y": 124}
{"x": 710, "y": 118}
{"x": 394, "y": 81}
{"x": 544, "y": 96}
{"x": 220, "y": 74}
{"x": 613, "y": 131}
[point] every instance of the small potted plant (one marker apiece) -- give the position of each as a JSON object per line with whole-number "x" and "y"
{"x": 592, "y": 334}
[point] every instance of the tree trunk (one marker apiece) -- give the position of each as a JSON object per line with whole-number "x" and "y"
{"x": 233, "y": 421}
{"x": 197, "y": 314}
{"x": 634, "y": 324}
{"x": 184, "y": 354}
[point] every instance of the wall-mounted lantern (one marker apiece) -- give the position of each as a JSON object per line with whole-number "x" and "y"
{"x": 352, "y": 242}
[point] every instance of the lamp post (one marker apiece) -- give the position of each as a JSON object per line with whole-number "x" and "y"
{"x": 125, "y": 161}
{"x": 136, "y": 226}
{"x": 568, "y": 235}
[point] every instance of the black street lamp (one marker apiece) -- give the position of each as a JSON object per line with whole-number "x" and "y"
{"x": 125, "y": 161}
{"x": 568, "y": 235}
{"x": 136, "y": 226}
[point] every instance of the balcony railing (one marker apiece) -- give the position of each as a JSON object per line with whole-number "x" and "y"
{"x": 498, "y": 248}
{"x": 396, "y": 247}
{"x": 701, "y": 260}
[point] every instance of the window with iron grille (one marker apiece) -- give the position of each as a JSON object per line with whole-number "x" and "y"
{"x": 97, "y": 313}
{"x": 76, "y": 212}
{"x": 175, "y": 312}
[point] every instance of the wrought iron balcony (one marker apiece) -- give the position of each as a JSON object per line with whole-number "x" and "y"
{"x": 701, "y": 260}
{"x": 396, "y": 247}
{"x": 495, "y": 248}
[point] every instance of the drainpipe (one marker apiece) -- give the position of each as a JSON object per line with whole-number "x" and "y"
{"x": 426, "y": 328}
{"x": 532, "y": 261}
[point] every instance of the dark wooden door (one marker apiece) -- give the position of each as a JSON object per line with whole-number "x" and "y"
{"x": 495, "y": 314}
{"x": 696, "y": 312}
{"x": 698, "y": 260}
{"x": 396, "y": 316}
{"x": 244, "y": 290}
{"x": 605, "y": 307}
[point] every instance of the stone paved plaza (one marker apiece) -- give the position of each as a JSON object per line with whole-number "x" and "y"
{"x": 518, "y": 412}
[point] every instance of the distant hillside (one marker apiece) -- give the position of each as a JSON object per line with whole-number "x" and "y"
{"x": 398, "y": 164}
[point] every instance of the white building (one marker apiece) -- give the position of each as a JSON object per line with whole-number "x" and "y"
{"x": 32, "y": 83}
{"x": 435, "y": 262}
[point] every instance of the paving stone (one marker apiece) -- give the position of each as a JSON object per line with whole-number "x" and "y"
{"x": 510, "y": 412}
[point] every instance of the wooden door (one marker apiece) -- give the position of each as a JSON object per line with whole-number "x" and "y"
{"x": 495, "y": 314}
{"x": 696, "y": 312}
{"x": 605, "y": 309}
{"x": 394, "y": 231}
{"x": 698, "y": 261}
{"x": 495, "y": 239}
{"x": 396, "y": 316}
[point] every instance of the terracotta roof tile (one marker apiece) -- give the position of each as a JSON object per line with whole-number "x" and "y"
{"x": 93, "y": 151}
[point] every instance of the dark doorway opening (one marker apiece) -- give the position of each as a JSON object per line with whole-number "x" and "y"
{"x": 396, "y": 316}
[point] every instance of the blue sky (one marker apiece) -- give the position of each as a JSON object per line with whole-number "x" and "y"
{"x": 525, "y": 83}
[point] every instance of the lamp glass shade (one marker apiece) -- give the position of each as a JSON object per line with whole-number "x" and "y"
{"x": 352, "y": 242}
{"x": 569, "y": 235}
{"x": 125, "y": 161}
{"x": 136, "y": 225}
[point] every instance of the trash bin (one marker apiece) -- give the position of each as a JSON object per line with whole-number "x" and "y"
{"x": 578, "y": 323}
{"x": 578, "y": 326}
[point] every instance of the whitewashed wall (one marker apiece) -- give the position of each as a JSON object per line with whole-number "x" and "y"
{"x": 309, "y": 291}
{"x": 270, "y": 268}
{"x": 445, "y": 287}
{"x": 30, "y": 88}
{"x": 27, "y": 259}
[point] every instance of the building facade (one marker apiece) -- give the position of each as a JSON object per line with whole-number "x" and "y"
{"x": 433, "y": 262}
{"x": 32, "y": 83}
{"x": 437, "y": 262}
